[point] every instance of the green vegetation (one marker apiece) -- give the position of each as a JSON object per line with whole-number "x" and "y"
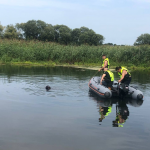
{"x": 61, "y": 34}
{"x": 143, "y": 39}
{"x": 39, "y": 30}
{"x": 1, "y": 31}
{"x": 48, "y": 53}
{"x": 38, "y": 43}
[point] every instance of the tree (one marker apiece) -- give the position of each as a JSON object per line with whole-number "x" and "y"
{"x": 98, "y": 39}
{"x": 11, "y": 32}
{"x": 84, "y": 29}
{"x": 88, "y": 36}
{"x": 30, "y": 29}
{"x": 1, "y": 31}
{"x": 47, "y": 34}
{"x": 62, "y": 34}
{"x": 75, "y": 34}
{"x": 45, "y": 31}
{"x": 84, "y": 38}
{"x": 20, "y": 29}
{"x": 36, "y": 30}
{"x": 109, "y": 44}
{"x": 143, "y": 39}
{"x": 85, "y": 35}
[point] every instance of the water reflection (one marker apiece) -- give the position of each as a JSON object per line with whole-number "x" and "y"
{"x": 122, "y": 113}
{"x": 66, "y": 117}
{"x": 104, "y": 112}
{"x": 121, "y": 108}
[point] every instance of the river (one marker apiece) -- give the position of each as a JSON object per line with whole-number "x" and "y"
{"x": 68, "y": 117}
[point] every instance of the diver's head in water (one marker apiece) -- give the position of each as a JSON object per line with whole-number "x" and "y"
{"x": 47, "y": 87}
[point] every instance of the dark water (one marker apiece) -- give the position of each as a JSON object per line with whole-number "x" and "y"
{"x": 67, "y": 117}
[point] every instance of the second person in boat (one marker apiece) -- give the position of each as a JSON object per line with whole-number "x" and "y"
{"x": 107, "y": 78}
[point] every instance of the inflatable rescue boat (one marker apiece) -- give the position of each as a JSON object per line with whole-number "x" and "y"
{"x": 116, "y": 90}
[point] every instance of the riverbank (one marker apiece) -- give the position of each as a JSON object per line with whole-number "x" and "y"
{"x": 37, "y": 53}
{"x": 91, "y": 66}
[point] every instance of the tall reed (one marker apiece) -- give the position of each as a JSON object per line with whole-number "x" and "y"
{"x": 15, "y": 50}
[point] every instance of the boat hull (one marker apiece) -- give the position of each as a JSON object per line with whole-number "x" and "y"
{"x": 104, "y": 92}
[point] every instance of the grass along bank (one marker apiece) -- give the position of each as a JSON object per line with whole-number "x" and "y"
{"x": 85, "y": 66}
{"x": 37, "y": 53}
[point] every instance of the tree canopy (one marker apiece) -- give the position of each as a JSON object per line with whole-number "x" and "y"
{"x": 85, "y": 35}
{"x": 62, "y": 34}
{"x": 143, "y": 39}
{"x": 11, "y": 32}
{"x": 1, "y": 31}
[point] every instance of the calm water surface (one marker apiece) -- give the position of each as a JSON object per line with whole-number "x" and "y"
{"x": 67, "y": 117}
